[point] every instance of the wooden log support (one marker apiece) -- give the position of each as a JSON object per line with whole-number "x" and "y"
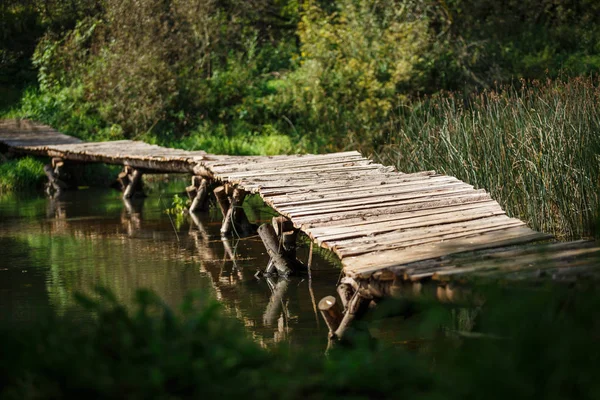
{"x": 345, "y": 291}
{"x": 356, "y": 308}
{"x": 222, "y": 199}
{"x": 268, "y": 236}
{"x": 230, "y": 202}
{"x": 200, "y": 194}
{"x": 281, "y": 245}
{"x": 287, "y": 235}
{"x": 192, "y": 190}
{"x": 123, "y": 178}
{"x": 331, "y": 313}
{"x": 134, "y": 187}
{"x": 235, "y": 208}
{"x": 55, "y": 186}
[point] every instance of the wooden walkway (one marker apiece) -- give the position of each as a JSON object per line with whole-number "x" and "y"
{"x": 384, "y": 225}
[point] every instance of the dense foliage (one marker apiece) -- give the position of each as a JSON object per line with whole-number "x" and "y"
{"x": 281, "y": 76}
{"x": 169, "y": 69}
{"x": 545, "y": 348}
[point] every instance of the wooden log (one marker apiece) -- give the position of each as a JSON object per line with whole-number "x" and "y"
{"x": 242, "y": 224}
{"x": 345, "y": 291}
{"x": 270, "y": 268}
{"x": 267, "y": 234}
{"x": 331, "y": 313}
{"x": 55, "y": 185}
{"x": 123, "y": 178}
{"x": 357, "y": 307}
{"x": 222, "y": 199}
{"x": 200, "y": 199}
{"x": 192, "y": 192}
{"x": 229, "y": 220}
{"x": 288, "y": 240}
{"x": 134, "y": 184}
{"x": 282, "y": 224}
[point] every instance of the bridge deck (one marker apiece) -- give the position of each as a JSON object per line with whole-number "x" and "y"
{"x": 375, "y": 219}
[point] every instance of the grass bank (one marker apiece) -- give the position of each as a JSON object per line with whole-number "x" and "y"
{"x": 21, "y": 175}
{"x": 545, "y": 348}
{"x": 534, "y": 145}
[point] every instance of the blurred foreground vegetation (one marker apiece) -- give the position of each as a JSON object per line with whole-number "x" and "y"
{"x": 523, "y": 343}
{"x": 501, "y": 94}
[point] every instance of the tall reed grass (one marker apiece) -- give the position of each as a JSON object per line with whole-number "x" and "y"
{"x": 534, "y": 145}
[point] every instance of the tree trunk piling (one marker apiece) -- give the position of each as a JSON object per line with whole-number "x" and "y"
{"x": 230, "y": 202}
{"x": 331, "y": 313}
{"x": 198, "y": 194}
{"x": 279, "y": 239}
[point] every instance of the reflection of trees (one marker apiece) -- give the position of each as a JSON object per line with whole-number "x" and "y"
{"x": 133, "y": 245}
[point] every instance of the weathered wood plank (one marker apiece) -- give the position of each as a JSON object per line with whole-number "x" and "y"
{"x": 374, "y": 218}
{"x": 383, "y": 201}
{"x": 371, "y": 228}
{"x": 415, "y": 239}
{"x": 366, "y": 264}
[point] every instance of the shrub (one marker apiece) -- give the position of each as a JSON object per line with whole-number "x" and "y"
{"x": 355, "y": 64}
{"x": 21, "y": 174}
{"x": 545, "y": 347}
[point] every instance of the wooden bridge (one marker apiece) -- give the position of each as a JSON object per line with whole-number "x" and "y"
{"x": 391, "y": 230}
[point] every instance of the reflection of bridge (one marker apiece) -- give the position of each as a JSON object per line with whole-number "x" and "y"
{"x": 388, "y": 228}
{"x": 137, "y": 248}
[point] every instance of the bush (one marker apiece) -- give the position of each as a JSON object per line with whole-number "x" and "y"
{"x": 21, "y": 174}
{"x": 545, "y": 348}
{"x": 355, "y": 63}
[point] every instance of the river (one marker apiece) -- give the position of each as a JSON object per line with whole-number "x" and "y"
{"x": 50, "y": 249}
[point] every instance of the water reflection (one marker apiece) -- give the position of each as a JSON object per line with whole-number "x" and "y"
{"x": 51, "y": 248}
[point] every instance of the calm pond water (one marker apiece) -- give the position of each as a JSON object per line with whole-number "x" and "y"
{"x": 51, "y": 249}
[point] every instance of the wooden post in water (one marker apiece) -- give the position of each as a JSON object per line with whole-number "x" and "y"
{"x": 230, "y": 201}
{"x": 53, "y": 171}
{"x": 279, "y": 239}
{"x": 345, "y": 291}
{"x": 356, "y": 307}
{"x": 198, "y": 193}
{"x": 131, "y": 182}
{"x": 331, "y": 312}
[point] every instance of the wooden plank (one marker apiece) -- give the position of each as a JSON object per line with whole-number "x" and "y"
{"x": 379, "y": 192}
{"x": 218, "y": 162}
{"x": 360, "y": 187}
{"x": 291, "y": 187}
{"x": 364, "y": 265}
{"x": 291, "y": 172}
{"x": 299, "y": 168}
{"x": 401, "y": 242}
{"x": 368, "y": 218}
{"x": 325, "y": 219}
{"x": 288, "y": 164}
{"x": 542, "y": 260}
{"x": 377, "y": 228}
{"x": 383, "y": 201}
